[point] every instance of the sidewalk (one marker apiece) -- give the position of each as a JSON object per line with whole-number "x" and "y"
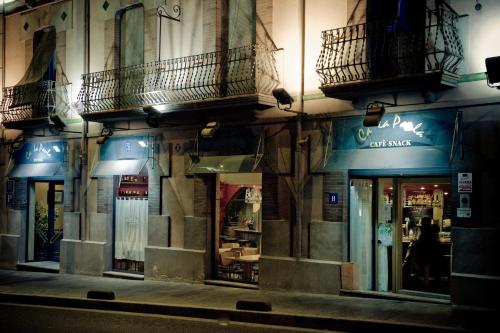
{"x": 206, "y": 301}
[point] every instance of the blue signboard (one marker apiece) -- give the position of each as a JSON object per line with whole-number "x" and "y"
{"x": 41, "y": 152}
{"x": 333, "y": 198}
{"x": 420, "y": 139}
{"x": 125, "y": 148}
{"x": 396, "y": 130}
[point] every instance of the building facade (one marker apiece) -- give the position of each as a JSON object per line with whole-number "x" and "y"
{"x": 143, "y": 138}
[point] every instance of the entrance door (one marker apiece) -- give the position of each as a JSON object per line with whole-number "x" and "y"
{"x": 131, "y": 223}
{"x": 386, "y": 221}
{"x": 425, "y": 245}
{"x": 45, "y": 227}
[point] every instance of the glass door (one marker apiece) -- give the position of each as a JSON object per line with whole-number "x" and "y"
{"x": 425, "y": 228}
{"x": 361, "y": 230}
{"x": 385, "y": 235}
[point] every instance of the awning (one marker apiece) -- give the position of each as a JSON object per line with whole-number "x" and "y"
{"x": 35, "y": 170}
{"x": 118, "y": 167}
{"x": 216, "y": 164}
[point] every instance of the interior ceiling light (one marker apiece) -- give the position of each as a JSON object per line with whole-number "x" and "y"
{"x": 142, "y": 143}
{"x": 56, "y": 149}
{"x": 210, "y": 129}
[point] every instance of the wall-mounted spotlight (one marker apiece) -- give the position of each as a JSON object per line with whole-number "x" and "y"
{"x": 374, "y": 113}
{"x": 105, "y": 134}
{"x": 283, "y": 98}
{"x": 493, "y": 72}
{"x": 209, "y": 130}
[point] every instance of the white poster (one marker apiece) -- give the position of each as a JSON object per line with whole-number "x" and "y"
{"x": 465, "y": 182}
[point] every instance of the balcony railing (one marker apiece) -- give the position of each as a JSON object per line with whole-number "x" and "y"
{"x": 32, "y": 101}
{"x": 373, "y": 50}
{"x": 237, "y": 72}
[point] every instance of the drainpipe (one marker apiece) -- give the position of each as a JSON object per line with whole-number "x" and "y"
{"x": 299, "y": 141}
{"x": 85, "y": 128}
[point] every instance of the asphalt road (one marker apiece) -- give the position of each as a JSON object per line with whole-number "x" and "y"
{"x": 35, "y": 318}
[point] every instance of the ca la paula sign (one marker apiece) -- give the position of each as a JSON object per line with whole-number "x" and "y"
{"x": 397, "y": 130}
{"x": 41, "y": 152}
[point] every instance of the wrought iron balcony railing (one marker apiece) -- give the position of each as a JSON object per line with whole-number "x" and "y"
{"x": 236, "y": 72}
{"x": 373, "y": 50}
{"x": 30, "y": 101}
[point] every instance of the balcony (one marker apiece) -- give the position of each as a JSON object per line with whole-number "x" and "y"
{"x": 374, "y": 58}
{"x": 35, "y": 105}
{"x": 240, "y": 77}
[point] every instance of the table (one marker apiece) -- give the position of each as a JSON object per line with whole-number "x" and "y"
{"x": 247, "y": 262}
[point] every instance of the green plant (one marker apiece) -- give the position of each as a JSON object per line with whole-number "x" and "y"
{"x": 41, "y": 219}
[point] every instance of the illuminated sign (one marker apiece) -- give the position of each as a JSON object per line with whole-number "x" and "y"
{"x": 41, "y": 152}
{"x": 398, "y": 130}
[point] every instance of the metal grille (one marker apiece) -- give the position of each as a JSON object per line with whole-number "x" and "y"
{"x": 241, "y": 71}
{"x": 35, "y": 100}
{"x": 372, "y": 50}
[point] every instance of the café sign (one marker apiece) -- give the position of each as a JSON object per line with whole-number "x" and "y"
{"x": 41, "y": 152}
{"x": 397, "y": 130}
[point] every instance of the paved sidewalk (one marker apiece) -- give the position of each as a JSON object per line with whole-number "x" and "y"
{"x": 206, "y": 301}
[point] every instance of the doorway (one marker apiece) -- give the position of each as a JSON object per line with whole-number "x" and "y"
{"x": 45, "y": 221}
{"x": 385, "y": 225}
{"x": 130, "y": 222}
{"x": 238, "y": 231}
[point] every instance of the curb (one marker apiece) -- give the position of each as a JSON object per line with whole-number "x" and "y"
{"x": 244, "y": 316}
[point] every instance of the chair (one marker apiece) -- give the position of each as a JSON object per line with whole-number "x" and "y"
{"x": 227, "y": 268}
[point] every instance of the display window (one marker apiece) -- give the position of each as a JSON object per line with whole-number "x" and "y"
{"x": 239, "y": 227}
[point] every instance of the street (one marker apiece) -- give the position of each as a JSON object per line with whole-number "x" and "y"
{"x": 35, "y": 318}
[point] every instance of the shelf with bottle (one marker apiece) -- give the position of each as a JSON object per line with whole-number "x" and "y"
{"x": 134, "y": 180}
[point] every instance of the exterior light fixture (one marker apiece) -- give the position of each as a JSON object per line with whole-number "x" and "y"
{"x": 493, "y": 72}
{"x": 374, "y": 113}
{"x": 283, "y": 98}
{"x": 105, "y": 134}
{"x": 209, "y": 130}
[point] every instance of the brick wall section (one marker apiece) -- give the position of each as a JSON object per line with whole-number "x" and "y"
{"x": 20, "y": 194}
{"x": 154, "y": 194}
{"x": 71, "y": 165}
{"x": 201, "y": 196}
{"x": 335, "y": 182}
{"x": 270, "y": 197}
{"x": 105, "y": 195}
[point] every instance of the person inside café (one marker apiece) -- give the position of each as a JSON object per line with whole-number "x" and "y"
{"x": 423, "y": 252}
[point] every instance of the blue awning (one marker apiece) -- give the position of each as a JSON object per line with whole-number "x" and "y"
{"x": 118, "y": 167}
{"x": 36, "y": 170}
